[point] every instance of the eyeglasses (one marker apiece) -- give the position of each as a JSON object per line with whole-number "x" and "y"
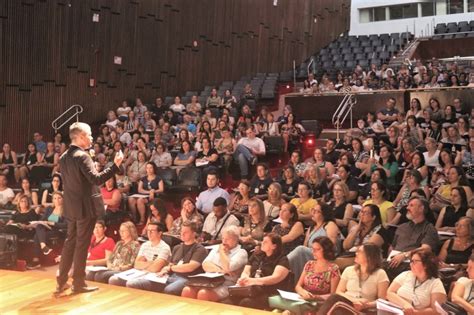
{"x": 414, "y": 261}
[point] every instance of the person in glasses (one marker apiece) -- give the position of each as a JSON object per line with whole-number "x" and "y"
{"x": 463, "y": 292}
{"x": 417, "y": 290}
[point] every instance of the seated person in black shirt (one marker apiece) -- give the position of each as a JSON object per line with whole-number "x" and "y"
{"x": 260, "y": 182}
{"x": 330, "y": 151}
{"x": 267, "y": 270}
{"x": 289, "y": 183}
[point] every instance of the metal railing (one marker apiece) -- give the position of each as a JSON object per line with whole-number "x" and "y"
{"x": 72, "y": 111}
{"x": 342, "y": 111}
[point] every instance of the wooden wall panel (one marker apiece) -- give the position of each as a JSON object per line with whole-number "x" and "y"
{"x": 50, "y": 49}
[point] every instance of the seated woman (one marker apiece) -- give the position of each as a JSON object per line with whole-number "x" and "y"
{"x": 158, "y": 214}
{"x": 318, "y": 184}
{"x": 226, "y": 146}
{"x": 56, "y": 186}
{"x": 450, "y": 215}
{"x": 318, "y": 159}
{"x": 457, "y": 250}
{"x": 101, "y": 247}
{"x": 185, "y": 157}
{"x": 48, "y": 164}
{"x": 345, "y": 176}
{"x": 322, "y": 216}
{"x": 267, "y": 270}
{"x": 52, "y": 224}
{"x": 112, "y": 200}
{"x": 8, "y": 161}
{"x": 290, "y": 229}
{"x": 289, "y": 183}
{"x": 261, "y": 181}
{"x": 417, "y": 164}
{"x": 188, "y": 213}
{"x": 19, "y": 224}
{"x": 239, "y": 205}
{"x": 227, "y": 258}
{"x": 274, "y": 201}
{"x": 137, "y": 169}
{"x": 364, "y": 192}
{"x": 343, "y": 211}
{"x": 319, "y": 277}
{"x": 26, "y": 191}
{"x": 387, "y": 162}
{"x": 161, "y": 157}
{"x": 251, "y": 234}
{"x": 462, "y": 294}
{"x": 379, "y": 198}
{"x": 30, "y": 160}
{"x": 442, "y": 196}
{"x": 150, "y": 186}
{"x": 411, "y": 182}
{"x": 123, "y": 256}
{"x": 370, "y": 222}
{"x": 418, "y": 289}
{"x": 304, "y": 202}
{"x": 207, "y": 158}
{"x": 363, "y": 283}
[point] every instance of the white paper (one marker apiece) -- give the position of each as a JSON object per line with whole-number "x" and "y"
{"x": 292, "y": 296}
{"x": 153, "y": 277}
{"x": 201, "y": 163}
{"x": 353, "y": 249}
{"x": 96, "y": 268}
{"x": 393, "y": 253}
{"x": 446, "y": 233}
{"x": 278, "y": 220}
{"x": 139, "y": 196}
{"x": 209, "y": 275}
{"x": 131, "y": 274}
{"x": 357, "y": 207}
{"x": 36, "y": 223}
{"x": 211, "y": 247}
{"x": 385, "y": 305}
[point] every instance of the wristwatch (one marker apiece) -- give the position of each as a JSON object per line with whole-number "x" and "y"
{"x": 406, "y": 254}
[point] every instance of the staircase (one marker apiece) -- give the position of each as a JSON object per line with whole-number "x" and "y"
{"x": 407, "y": 53}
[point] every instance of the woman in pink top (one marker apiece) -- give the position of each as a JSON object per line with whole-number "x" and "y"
{"x": 320, "y": 276}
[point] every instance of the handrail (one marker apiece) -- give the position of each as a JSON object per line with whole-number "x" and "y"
{"x": 342, "y": 111}
{"x": 77, "y": 110}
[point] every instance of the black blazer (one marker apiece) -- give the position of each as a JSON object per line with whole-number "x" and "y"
{"x": 82, "y": 198}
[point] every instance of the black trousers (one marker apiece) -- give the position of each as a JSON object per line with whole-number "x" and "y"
{"x": 79, "y": 233}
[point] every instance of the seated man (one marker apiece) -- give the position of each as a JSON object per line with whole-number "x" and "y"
{"x": 229, "y": 258}
{"x": 206, "y": 198}
{"x": 216, "y": 221}
{"x": 152, "y": 256}
{"x": 418, "y": 233}
{"x": 388, "y": 114}
{"x": 6, "y": 194}
{"x": 186, "y": 260}
{"x": 247, "y": 151}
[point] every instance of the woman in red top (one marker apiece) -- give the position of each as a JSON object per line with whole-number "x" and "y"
{"x": 101, "y": 246}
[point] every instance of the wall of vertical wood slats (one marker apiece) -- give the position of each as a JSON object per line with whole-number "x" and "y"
{"x": 49, "y": 49}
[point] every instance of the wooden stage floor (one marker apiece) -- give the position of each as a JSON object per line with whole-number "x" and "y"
{"x": 29, "y": 293}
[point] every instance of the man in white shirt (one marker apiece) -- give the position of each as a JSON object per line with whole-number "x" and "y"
{"x": 123, "y": 136}
{"x": 152, "y": 256}
{"x": 229, "y": 258}
{"x": 217, "y": 221}
{"x": 247, "y": 151}
{"x": 205, "y": 200}
{"x": 6, "y": 194}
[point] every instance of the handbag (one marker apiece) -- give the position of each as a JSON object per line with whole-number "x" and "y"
{"x": 205, "y": 282}
{"x": 245, "y": 292}
{"x": 453, "y": 308}
{"x": 8, "y": 250}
